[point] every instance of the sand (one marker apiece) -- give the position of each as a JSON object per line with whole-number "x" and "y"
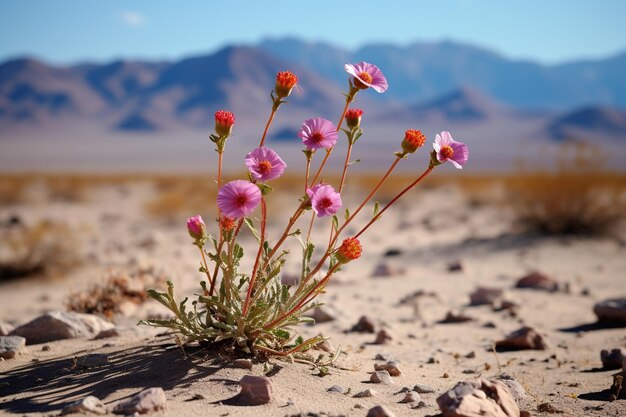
{"x": 432, "y": 229}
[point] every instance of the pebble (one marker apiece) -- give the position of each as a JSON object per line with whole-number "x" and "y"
{"x": 384, "y": 356}
{"x": 452, "y": 317}
{"x": 386, "y": 270}
{"x": 485, "y": 296}
{"x": 433, "y": 359}
{"x": 93, "y": 360}
{"x": 336, "y": 388}
{"x": 471, "y": 355}
{"x": 611, "y": 311}
{"x": 410, "y": 397}
{"x": 537, "y": 281}
{"x": 364, "y": 325}
{"x": 325, "y": 346}
{"x": 255, "y": 390}
{"x": 522, "y": 339}
{"x": 366, "y": 394}
{"x": 548, "y": 408}
{"x": 107, "y": 333}
{"x": 5, "y": 328}
{"x": 58, "y": 325}
{"x": 10, "y": 346}
{"x": 146, "y": 401}
{"x": 381, "y": 377}
{"x": 492, "y": 398}
{"x": 517, "y": 390}
{"x": 456, "y": 266}
{"x": 322, "y": 314}
{"x": 391, "y": 367}
{"x": 391, "y": 252}
{"x": 85, "y": 405}
{"x": 612, "y": 359}
{"x": 380, "y": 411}
{"x": 242, "y": 363}
{"x": 383, "y": 337}
{"x": 423, "y": 389}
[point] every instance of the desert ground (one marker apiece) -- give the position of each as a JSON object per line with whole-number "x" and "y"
{"x": 421, "y": 261}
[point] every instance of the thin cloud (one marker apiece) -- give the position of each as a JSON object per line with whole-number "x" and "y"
{"x": 133, "y": 19}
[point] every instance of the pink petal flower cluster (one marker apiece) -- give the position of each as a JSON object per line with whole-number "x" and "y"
{"x": 238, "y": 198}
{"x": 318, "y": 133}
{"x": 325, "y": 201}
{"x": 264, "y": 164}
{"x": 196, "y": 227}
{"x": 449, "y": 149}
{"x": 367, "y": 75}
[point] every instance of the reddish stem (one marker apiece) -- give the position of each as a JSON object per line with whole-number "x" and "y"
{"x": 267, "y": 126}
{"x": 258, "y": 257}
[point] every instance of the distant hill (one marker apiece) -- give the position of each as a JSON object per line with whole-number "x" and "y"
{"x": 589, "y": 121}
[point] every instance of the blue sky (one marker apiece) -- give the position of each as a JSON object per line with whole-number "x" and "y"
{"x": 66, "y": 31}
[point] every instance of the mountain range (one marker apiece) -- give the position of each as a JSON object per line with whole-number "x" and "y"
{"x": 433, "y": 84}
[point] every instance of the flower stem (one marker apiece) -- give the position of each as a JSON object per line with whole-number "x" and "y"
{"x": 380, "y": 213}
{"x": 308, "y": 235}
{"x": 345, "y": 166}
{"x": 217, "y": 265}
{"x": 258, "y": 257}
{"x": 267, "y": 126}
{"x": 205, "y": 266}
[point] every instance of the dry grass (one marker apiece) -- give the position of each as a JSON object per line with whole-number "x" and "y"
{"x": 116, "y": 293}
{"x": 46, "y": 248}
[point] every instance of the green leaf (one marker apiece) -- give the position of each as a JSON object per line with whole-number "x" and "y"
{"x": 376, "y": 208}
{"x": 250, "y": 223}
{"x": 265, "y": 189}
{"x": 347, "y": 215}
{"x": 335, "y": 222}
{"x": 356, "y": 161}
{"x": 282, "y": 333}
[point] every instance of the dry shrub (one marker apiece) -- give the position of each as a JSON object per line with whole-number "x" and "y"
{"x": 46, "y": 247}
{"x": 118, "y": 290}
{"x": 577, "y": 198}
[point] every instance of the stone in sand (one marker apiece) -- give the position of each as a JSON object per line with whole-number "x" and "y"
{"x": 517, "y": 390}
{"x": 10, "y": 346}
{"x": 105, "y": 334}
{"x": 255, "y": 390}
{"x": 367, "y": 393}
{"x": 380, "y": 411}
{"x": 486, "y": 296}
{"x": 387, "y": 270}
{"x": 324, "y": 346}
{"x": 423, "y": 389}
{"x": 146, "y": 401}
{"x": 391, "y": 367}
{"x": 381, "y": 377}
{"x": 242, "y": 363}
{"x": 478, "y": 398}
{"x": 336, "y": 388}
{"x": 612, "y": 359}
{"x": 364, "y": 325}
{"x": 322, "y": 314}
{"x": 93, "y": 360}
{"x": 410, "y": 397}
{"x": 58, "y": 325}
{"x": 452, "y": 317}
{"x": 383, "y": 337}
{"x": 85, "y": 405}
{"x": 5, "y": 328}
{"x": 537, "y": 281}
{"x": 456, "y": 266}
{"x": 611, "y": 311}
{"x": 522, "y": 339}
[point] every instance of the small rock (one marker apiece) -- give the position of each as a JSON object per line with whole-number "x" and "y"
{"x": 433, "y": 359}
{"x": 88, "y": 404}
{"x": 380, "y": 411}
{"x": 521, "y": 339}
{"x": 423, "y": 389}
{"x": 517, "y": 390}
{"x": 386, "y": 270}
{"x": 5, "y": 328}
{"x": 384, "y": 356}
{"x": 57, "y": 325}
{"x": 325, "y": 346}
{"x": 242, "y": 363}
{"x": 10, "y": 346}
{"x": 46, "y": 348}
{"x": 381, "y": 377}
{"x": 611, "y": 311}
{"x": 93, "y": 360}
{"x": 410, "y": 397}
{"x": 391, "y": 367}
{"x": 367, "y": 393}
{"x": 452, "y": 317}
{"x": 336, "y": 388}
{"x": 486, "y": 296}
{"x": 255, "y": 390}
{"x": 471, "y": 355}
{"x": 364, "y": 325}
{"x": 489, "y": 325}
{"x": 391, "y": 252}
{"x": 383, "y": 337}
{"x": 537, "y": 281}
{"x": 612, "y": 359}
{"x": 478, "y": 397}
{"x": 107, "y": 333}
{"x": 146, "y": 401}
{"x": 456, "y": 266}
{"x": 548, "y": 408}
{"x": 524, "y": 413}
{"x": 322, "y": 314}
{"x": 421, "y": 404}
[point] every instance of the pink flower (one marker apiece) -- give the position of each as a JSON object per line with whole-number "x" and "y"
{"x": 264, "y": 164}
{"x": 238, "y": 198}
{"x": 367, "y": 75}
{"x": 449, "y": 149}
{"x": 196, "y": 227}
{"x": 325, "y": 201}
{"x": 318, "y": 133}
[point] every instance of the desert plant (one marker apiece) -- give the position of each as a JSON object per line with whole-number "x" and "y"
{"x": 578, "y": 197}
{"x": 254, "y": 312}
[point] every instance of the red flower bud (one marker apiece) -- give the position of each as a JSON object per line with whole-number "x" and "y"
{"x": 285, "y": 81}
{"x": 413, "y": 139}
{"x": 353, "y": 118}
{"x": 224, "y": 121}
{"x": 349, "y": 250}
